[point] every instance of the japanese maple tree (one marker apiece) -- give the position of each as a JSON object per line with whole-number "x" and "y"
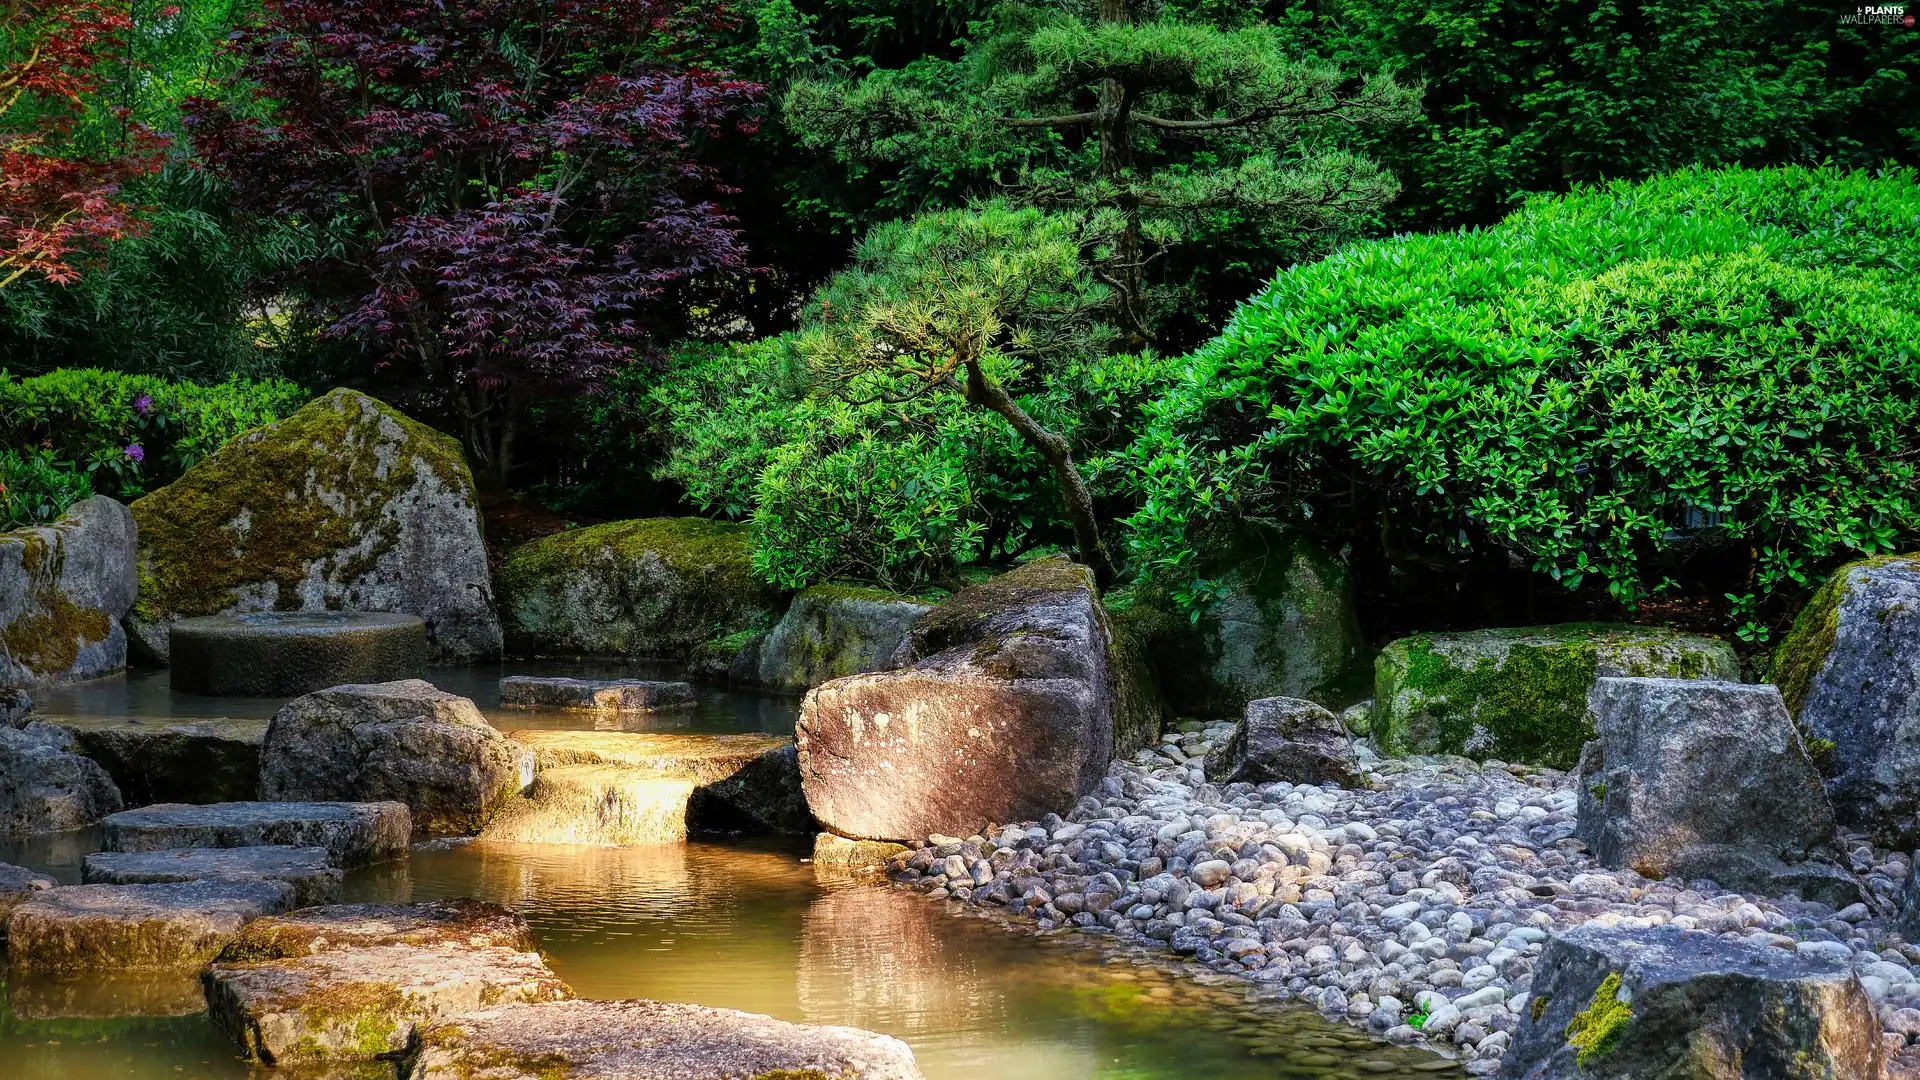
{"x": 505, "y": 187}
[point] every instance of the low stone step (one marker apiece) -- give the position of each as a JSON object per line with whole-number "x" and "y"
{"x": 596, "y": 804}
{"x": 354, "y": 834}
{"x": 705, "y": 758}
{"x": 18, "y": 885}
{"x": 593, "y": 695}
{"x": 460, "y": 922}
{"x": 216, "y": 759}
{"x": 98, "y": 929}
{"x": 348, "y": 1005}
{"x": 747, "y": 782}
{"x": 650, "y": 1040}
{"x": 314, "y": 878}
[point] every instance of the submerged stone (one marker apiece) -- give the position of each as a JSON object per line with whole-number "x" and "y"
{"x": 346, "y": 505}
{"x": 46, "y": 787}
{"x": 593, "y": 695}
{"x": 1520, "y": 694}
{"x": 315, "y": 880}
{"x": 653, "y": 587}
{"x": 187, "y": 761}
{"x": 353, "y": 834}
{"x": 96, "y": 929}
{"x": 282, "y": 653}
{"x": 651, "y": 1040}
{"x": 458, "y": 923}
{"x": 63, "y": 590}
{"x": 402, "y": 741}
{"x": 348, "y": 1005}
{"x": 830, "y": 631}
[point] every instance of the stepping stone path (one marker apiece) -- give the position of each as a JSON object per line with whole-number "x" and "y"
{"x": 449, "y": 923}
{"x": 308, "y": 869}
{"x": 354, "y": 834}
{"x": 645, "y": 1040}
{"x": 93, "y": 929}
{"x": 610, "y": 695}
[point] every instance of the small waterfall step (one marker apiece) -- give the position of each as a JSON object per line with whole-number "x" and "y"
{"x": 353, "y": 833}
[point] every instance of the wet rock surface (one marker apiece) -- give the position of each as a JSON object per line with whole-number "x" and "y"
{"x": 1285, "y": 739}
{"x": 593, "y": 695}
{"x": 63, "y": 590}
{"x": 649, "y": 1040}
{"x": 401, "y": 741}
{"x": 596, "y": 804}
{"x": 187, "y": 761}
{"x": 353, "y": 834}
{"x": 348, "y": 1005}
{"x": 95, "y": 929}
{"x": 281, "y": 653}
{"x": 46, "y": 787}
{"x": 460, "y": 923}
{"x": 309, "y": 870}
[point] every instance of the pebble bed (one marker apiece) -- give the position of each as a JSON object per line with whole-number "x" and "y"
{"x": 1416, "y": 908}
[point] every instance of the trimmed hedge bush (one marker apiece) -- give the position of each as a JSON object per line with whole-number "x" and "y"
{"x": 1604, "y": 384}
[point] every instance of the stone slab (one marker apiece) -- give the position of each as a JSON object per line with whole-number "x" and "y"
{"x": 216, "y": 759}
{"x": 94, "y": 929}
{"x": 650, "y": 1040}
{"x": 354, "y": 834}
{"x": 283, "y": 653}
{"x": 460, "y": 923}
{"x": 348, "y": 1005}
{"x": 703, "y": 758}
{"x": 308, "y": 869}
{"x": 18, "y": 885}
{"x": 603, "y": 805}
{"x": 593, "y": 695}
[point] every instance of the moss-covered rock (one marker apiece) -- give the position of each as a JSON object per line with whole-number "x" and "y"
{"x": 63, "y": 590}
{"x": 1281, "y": 622}
{"x": 345, "y": 505}
{"x": 834, "y": 630}
{"x": 98, "y": 929}
{"x": 653, "y": 587}
{"x": 1520, "y": 693}
{"x": 456, "y": 923}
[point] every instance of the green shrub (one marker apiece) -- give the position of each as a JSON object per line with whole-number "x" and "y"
{"x": 1722, "y": 363}
{"x": 132, "y": 433}
{"x": 35, "y": 488}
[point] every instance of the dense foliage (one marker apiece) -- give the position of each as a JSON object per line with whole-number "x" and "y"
{"x": 1720, "y": 363}
{"x": 36, "y": 487}
{"x": 132, "y": 433}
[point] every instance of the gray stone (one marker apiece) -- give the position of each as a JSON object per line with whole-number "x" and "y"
{"x": 156, "y": 760}
{"x": 63, "y": 590}
{"x": 1692, "y": 779}
{"x": 1520, "y": 694}
{"x": 402, "y": 741}
{"x": 351, "y": 1005}
{"x": 650, "y": 1040}
{"x": 443, "y": 924}
{"x": 15, "y": 706}
{"x": 99, "y": 929}
{"x": 1285, "y": 739}
{"x": 1701, "y": 1008}
{"x": 999, "y": 710}
{"x": 18, "y": 885}
{"x": 45, "y": 787}
{"x": 1850, "y": 674}
{"x": 831, "y": 631}
{"x": 283, "y": 653}
{"x": 309, "y": 870}
{"x": 354, "y": 834}
{"x": 347, "y": 505}
{"x": 593, "y": 695}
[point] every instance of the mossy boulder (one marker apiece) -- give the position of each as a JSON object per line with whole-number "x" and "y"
{"x": 345, "y": 505}
{"x": 830, "y": 631}
{"x": 1850, "y": 674}
{"x": 652, "y": 587}
{"x": 1520, "y": 693}
{"x": 63, "y": 590}
{"x": 1280, "y": 622}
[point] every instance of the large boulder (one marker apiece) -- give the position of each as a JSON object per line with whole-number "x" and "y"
{"x": 1616, "y": 1004}
{"x": 1850, "y": 674}
{"x": 999, "y": 709}
{"x": 1280, "y": 621}
{"x": 1693, "y": 779}
{"x": 63, "y": 590}
{"x": 173, "y": 761}
{"x": 1285, "y": 739}
{"x": 46, "y": 787}
{"x": 404, "y": 742}
{"x": 345, "y": 505}
{"x": 1520, "y": 694}
{"x": 830, "y": 631}
{"x": 655, "y": 587}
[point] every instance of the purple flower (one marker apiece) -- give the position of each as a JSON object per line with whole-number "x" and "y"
{"x": 142, "y": 405}
{"x": 136, "y": 452}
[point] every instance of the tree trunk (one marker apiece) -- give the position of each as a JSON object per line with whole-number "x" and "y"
{"x": 1113, "y": 118}
{"x": 988, "y": 394}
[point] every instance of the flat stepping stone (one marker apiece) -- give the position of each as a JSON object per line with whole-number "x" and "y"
{"x": 354, "y": 834}
{"x": 593, "y": 695}
{"x": 210, "y": 760}
{"x": 704, "y": 758}
{"x": 98, "y": 929}
{"x": 349, "y": 1005}
{"x": 18, "y": 885}
{"x": 649, "y": 1040}
{"x": 314, "y": 878}
{"x": 287, "y": 653}
{"x": 462, "y": 922}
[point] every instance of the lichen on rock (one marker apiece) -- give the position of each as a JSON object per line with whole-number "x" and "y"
{"x": 63, "y": 590}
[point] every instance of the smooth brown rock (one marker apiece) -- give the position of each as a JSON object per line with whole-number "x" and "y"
{"x": 459, "y": 923}
{"x": 354, "y": 834}
{"x": 307, "y": 869}
{"x": 95, "y": 929}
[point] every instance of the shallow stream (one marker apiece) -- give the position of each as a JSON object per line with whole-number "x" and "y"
{"x": 734, "y": 923}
